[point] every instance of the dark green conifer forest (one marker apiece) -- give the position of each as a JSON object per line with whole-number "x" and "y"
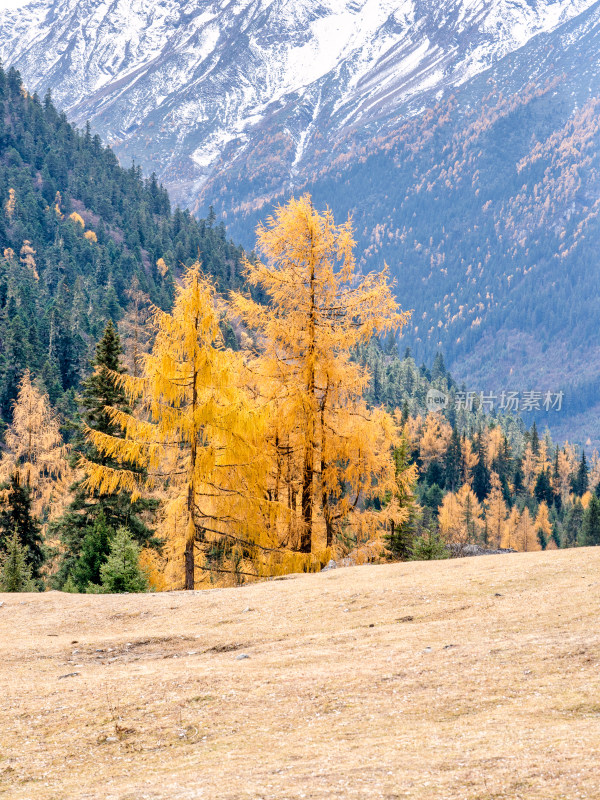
{"x": 61, "y": 281}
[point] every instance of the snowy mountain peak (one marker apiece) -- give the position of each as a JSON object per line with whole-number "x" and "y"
{"x": 173, "y": 82}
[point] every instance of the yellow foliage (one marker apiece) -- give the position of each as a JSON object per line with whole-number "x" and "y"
{"x": 28, "y": 259}
{"x": 470, "y": 459}
{"x": 90, "y": 236}
{"x": 435, "y": 436}
{"x": 153, "y": 566}
{"x": 495, "y": 512}
{"x": 526, "y": 534}
{"x": 35, "y": 451}
{"x": 10, "y": 205}
{"x": 327, "y": 449}
{"x": 594, "y": 474}
{"x": 585, "y": 499}
{"x": 77, "y": 219}
{"x": 162, "y": 266}
{"x": 542, "y": 522}
{"x": 460, "y": 517}
{"x": 529, "y": 469}
{"x": 195, "y": 434}
{"x": 509, "y": 534}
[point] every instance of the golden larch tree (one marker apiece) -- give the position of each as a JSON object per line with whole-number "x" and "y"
{"x": 527, "y": 538}
{"x": 434, "y": 439}
{"x": 35, "y": 451}
{"x": 495, "y": 512}
{"x": 529, "y": 469}
{"x": 469, "y": 460}
{"x": 594, "y": 475}
{"x": 195, "y": 432}
{"x": 460, "y": 517}
{"x": 320, "y": 309}
{"x": 511, "y": 526}
{"x": 567, "y": 462}
{"x": 542, "y": 523}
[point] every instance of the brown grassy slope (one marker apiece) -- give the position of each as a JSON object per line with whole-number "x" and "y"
{"x": 473, "y": 678}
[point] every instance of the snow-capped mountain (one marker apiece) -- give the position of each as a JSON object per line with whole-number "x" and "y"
{"x": 173, "y": 82}
{"x": 461, "y": 135}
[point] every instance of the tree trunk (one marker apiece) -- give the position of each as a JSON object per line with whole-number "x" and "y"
{"x": 189, "y": 564}
{"x": 307, "y": 498}
{"x": 189, "y": 546}
{"x": 324, "y": 494}
{"x": 309, "y": 457}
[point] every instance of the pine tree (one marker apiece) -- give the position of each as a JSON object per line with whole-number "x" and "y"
{"x": 95, "y": 548}
{"x": 452, "y": 462}
{"x": 99, "y": 392}
{"x": 429, "y": 547}
{"x": 590, "y": 530}
{"x": 581, "y": 480}
{"x": 543, "y": 489}
{"x": 543, "y": 526}
{"x": 402, "y": 510}
{"x": 16, "y": 516}
{"x": 535, "y": 439}
{"x": 573, "y": 524}
{"x": 438, "y": 369}
{"x": 15, "y": 571}
{"x": 481, "y": 473}
{"x": 122, "y": 572}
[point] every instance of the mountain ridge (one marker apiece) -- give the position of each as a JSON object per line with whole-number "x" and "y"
{"x": 482, "y": 195}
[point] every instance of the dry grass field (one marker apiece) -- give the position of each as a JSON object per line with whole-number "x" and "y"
{"x": 472, "y": 678}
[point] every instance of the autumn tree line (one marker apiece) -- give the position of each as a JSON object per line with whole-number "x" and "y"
{"x": 193, "y": 461}
{"x": 241, "y": 462}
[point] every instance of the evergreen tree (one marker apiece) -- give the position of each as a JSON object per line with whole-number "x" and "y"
{"x": 429, "y": 547}
{"x": 15, "y": 571}
{"x": 122, "y": 572}
{"x": 556, "y": 537}
{"x": 95, "y": 548}
{"x": 16, "y": 517}
{"x": 572, "y": 524}
{"x": 481, "y": 473}
{"x": 433, "y": 498}
{"x": 580, "y": 481}
{"x": 91, "y": 509}
{"x": 589, "y": 535}
{"x": 518, "y": 481}
{"x": 535, "y": 439}
{"x": 438, "y": 369}
{"x": 402, "y": 532}
{"x": 543, "y": 490}
{"x": 452, "y": 462}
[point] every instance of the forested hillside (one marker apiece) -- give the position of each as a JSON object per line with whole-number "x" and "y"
{"x": 79, "y": 235}
{"x": 486, "y": 205}
{"x": 258, "y": 421}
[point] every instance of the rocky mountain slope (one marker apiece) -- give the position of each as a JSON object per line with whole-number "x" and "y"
{"x": 173, "y": 82}
{"x": 461, "y": 135}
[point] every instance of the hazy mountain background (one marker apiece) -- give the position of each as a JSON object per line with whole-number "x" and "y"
{"x": 462, "y": 135}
